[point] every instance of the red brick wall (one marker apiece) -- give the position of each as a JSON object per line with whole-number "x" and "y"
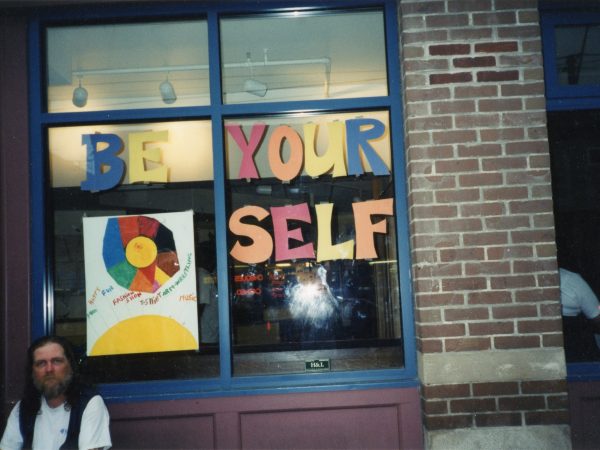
{"x": 480, "y": 204}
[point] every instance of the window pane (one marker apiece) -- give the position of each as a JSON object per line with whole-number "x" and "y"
{"x": 127, "y": 66}
{"x": 575, "y": 157}
{"x": 71, "y": 202}
{"x": 312, "y": 276}
{"x": 303, "y": 56}
{"x": 577, "y": 57}
{"x": 184, "y": 149}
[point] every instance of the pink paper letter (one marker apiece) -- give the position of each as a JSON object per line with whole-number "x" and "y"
{"x": 280, "y": 215}
{"x": 247, "y": 166}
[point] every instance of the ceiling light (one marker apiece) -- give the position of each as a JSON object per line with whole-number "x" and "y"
{"x": 255, "y": 87}
{"x": 167, "y": 92}
{"x": 80, "y": 95}
{"x": 252, "y": 86}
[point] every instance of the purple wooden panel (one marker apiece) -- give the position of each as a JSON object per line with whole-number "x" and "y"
{"x": 14, "y": 206}
{"x": 185, "y": 432}
{"x": 386, "y": 418}
{"x": 322, "y": 429}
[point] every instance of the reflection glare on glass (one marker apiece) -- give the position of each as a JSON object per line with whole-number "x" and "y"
{"x": 311, "y": 299}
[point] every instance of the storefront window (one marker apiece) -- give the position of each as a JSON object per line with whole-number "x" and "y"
{"x": 313, "y": 263}
{"x": 150, "y": 168}
{"x": 577, "y": 60}
{"x": 127, "y": 66}
{"x": 575, "y": 160}
{"x": 221, "y": 195}
{"x": 303, "y": 57}
{"x": 572, "y": 81}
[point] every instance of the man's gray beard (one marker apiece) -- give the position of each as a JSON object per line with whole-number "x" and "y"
{"x": 55, "y": 390}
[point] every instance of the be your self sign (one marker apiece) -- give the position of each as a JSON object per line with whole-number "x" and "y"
{"x": 285, "y": 153}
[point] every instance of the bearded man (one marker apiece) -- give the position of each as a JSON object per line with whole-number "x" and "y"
{"x": 56, "y": 411}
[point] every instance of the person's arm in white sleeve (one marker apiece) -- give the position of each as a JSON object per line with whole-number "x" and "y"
{"x": 12, "y": 439}
{"x": 95, "y": 432}
{"x": 590, "y": 306}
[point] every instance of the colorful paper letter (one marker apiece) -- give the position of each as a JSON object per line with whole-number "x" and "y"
{"x": 325, "y": 250}
{"x": 280, "y": 215}
{"x": 355, "y": 138}
{"x": 365, "y": 242}
{"x": 97, "y": 159}
{"x": 262, "y": 246}
{"x": 285, "y": 171}
{"x": 248, "y": 148}
{"x": 316, "y": 165}
{"x": 137, "y": 155}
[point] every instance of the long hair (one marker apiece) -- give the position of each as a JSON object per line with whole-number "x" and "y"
{"x": 32, "y": 397}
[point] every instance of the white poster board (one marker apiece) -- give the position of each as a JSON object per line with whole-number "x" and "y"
{"x": 140, "y": 281}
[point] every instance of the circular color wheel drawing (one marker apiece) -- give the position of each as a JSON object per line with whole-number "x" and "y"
{"x": 139, "y": 253}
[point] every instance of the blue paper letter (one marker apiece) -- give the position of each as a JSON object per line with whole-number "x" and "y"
{"x": 97, "y": 180}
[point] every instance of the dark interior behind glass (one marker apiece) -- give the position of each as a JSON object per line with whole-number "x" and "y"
{"x": 575, "y": 157}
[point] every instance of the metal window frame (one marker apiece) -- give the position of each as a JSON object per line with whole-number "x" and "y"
{"x": 566, "y": 98}
{"x": 226, "y": 384}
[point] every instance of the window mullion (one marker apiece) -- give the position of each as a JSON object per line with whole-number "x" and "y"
{"x": 214, "y": 59}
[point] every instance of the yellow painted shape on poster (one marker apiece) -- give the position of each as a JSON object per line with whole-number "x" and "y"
{"x": 160, "y": 276}
{"x": 141, "y": 251}
{"x": 144, "y": 334}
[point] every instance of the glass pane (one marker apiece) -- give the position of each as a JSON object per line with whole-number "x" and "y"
{"x": 575, "y": 158}
{"x": 313, "y": 266}
{"x": 303, "y": 56}
{"x": 577, "y": 57}
{"x": 125, "y": 66}
{"x": 71, "y": 203}
{"x": 157, "y": 152}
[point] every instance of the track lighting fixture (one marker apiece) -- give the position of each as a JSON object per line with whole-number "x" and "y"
{"x": 167, "y": 92}
{"x": 252, "y": 86}
{"x": 80, "y": 95}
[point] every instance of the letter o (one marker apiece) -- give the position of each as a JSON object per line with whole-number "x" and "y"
{"x": 285, "y": 171}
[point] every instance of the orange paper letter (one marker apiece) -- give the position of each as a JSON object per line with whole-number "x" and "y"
{"x": 262, "y": 246}
{"x": 365, "y": 242}
{"x": 285, "y": 171}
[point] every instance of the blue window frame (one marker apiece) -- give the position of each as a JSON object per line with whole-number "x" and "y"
{"x": 218, "y": 113}
{"x": 573, "y": 103}
{"x": 569, "y": 38}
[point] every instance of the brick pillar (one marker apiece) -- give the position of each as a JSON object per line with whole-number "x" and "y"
{"x": 487, "y": 300}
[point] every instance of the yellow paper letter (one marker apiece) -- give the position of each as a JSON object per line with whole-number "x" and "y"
{"x": 325, "y": 250}
{"x": 137, "y": 155}
{"x": 316, "y": 165}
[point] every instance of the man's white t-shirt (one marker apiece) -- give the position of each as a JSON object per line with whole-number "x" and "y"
{"x": 52, "y": 424}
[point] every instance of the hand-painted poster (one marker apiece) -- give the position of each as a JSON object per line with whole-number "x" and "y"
{"x": 140, "y": 283}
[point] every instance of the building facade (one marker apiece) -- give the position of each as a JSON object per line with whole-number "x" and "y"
{"x": 435, "y": 228}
